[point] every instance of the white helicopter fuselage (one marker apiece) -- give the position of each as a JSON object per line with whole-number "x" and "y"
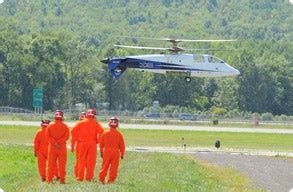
{"x": 199, "y": 65}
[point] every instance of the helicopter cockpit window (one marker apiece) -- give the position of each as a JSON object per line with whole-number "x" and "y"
{"x": 198, "y": 58}
{"x": 212, "y": 59}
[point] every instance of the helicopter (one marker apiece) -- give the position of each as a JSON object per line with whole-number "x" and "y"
{"x": 193, "y": 65}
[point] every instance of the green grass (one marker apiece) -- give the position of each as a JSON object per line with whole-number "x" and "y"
{"x": 261, "y": 141}
{"x": 138, "y": 172}
{"x": 258, "y": 141}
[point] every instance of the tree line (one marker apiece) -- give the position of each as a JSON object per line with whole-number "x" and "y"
{"x": 60, "y": 52}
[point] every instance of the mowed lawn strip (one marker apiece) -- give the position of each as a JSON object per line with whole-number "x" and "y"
{"x": 259, "y": 141}
{"x": 169, "y": 138}
{"x": 138, "y": 172}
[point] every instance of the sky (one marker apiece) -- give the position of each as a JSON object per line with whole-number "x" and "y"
{"x": 1, "y": 1}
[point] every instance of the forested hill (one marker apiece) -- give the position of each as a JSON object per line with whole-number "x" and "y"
{"x": 102, "y": 19}
{"x": 57, "y": 44}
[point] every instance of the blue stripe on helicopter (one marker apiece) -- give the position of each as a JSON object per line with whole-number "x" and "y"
{"x": 117, "y": 66}
{"x": 145, "y": 64}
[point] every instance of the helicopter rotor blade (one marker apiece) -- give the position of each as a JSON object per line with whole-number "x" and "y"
{"x": 172, "y": 49}
{"x": 206, "y": 40}
{"x": 187, "y": 49}
{"x": 182, "y": 40}
{"x": 139, "y": 47}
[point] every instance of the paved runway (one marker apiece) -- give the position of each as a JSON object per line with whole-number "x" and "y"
{"x": 171, "y": 127}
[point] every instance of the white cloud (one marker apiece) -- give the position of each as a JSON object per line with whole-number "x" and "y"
{"x": 1, "y": 1}
{"x": 291, "y": 1}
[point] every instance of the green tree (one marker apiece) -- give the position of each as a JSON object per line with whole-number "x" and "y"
{"x": 48, "y": 72}
{"x": 249, "y": 80}
{"x": 11, "y": 53}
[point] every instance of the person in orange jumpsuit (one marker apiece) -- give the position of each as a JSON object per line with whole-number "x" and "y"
{"x": 112, "y": 148}
{"x": 88, "y": 133}
{"x": 41, "y": 148}
{"x": 57, "y": 134}
{"x": 75, "y": 144}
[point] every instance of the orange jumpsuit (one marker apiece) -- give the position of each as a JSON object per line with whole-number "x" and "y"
{"x": 57, "y": 134}
{"x": 112, "y": 146}
{"x": 41, "y": 150}
{"x": 75, "y": 145}
{"x": 88, "y": 133}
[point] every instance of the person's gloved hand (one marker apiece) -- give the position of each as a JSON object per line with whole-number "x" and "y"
{"x": 35, "y": 154}
{"x": 72, "y": 150}
{"x": 101, "y": 155}
{"x": 122, "y": 157}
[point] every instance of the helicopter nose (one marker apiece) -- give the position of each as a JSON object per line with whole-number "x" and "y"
{"x": 237, "y": 72}
{"x": 106, "y": 60}
{"x": 234, "y": 72}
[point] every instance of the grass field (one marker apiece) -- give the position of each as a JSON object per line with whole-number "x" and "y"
{"x": 229, "y": 140}
{"x": 138, "y": 172}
